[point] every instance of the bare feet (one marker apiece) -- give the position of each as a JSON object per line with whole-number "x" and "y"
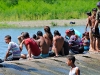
{"x": 57, "y": 56}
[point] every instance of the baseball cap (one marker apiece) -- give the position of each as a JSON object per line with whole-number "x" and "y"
{"x": 94, "y": 9}
{"x": 88, "y": 13}
{"x": 67, "y": 31}
{"x": 71, "y": 29}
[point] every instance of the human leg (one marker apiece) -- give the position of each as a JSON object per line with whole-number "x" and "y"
{"x": 91, "y": 40}
{"x": 24, "y": 56}
{"x": 97, "y": 39}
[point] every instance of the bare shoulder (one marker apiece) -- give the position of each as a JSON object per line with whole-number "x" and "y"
{"x": 44, "y": 35}
{"x": 54, "y": 38}
{"x": 77, "y": 71}
{"x": 61, "y": 37}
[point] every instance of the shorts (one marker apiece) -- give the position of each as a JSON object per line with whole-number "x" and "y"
{"x": 35, "y": 57}
{"x": 86, "y": 48}
{"x": 96, "y": 31}
{"x": 11, "y": 59}
{"x": 44, "y": 55}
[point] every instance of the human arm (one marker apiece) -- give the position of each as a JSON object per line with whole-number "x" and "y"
{"x": 77, "y": 71}
{"x": 87, "y": 24}
{"x": 54, "y": 48}
{"x": 8, "y": 51}
{"x": 7, "y": 54}
{"x": 29, "y": 50}
{"x": 19, "y": 39}
{"x": 21, "y": 45}
{"x": 96, "y": 23}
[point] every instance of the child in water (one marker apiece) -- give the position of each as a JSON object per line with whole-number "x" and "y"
{"x": 70, "y": 62}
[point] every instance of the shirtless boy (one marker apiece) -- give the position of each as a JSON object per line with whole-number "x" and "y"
{"x": 58, "y": 42}
{"x": 42, "y": 45}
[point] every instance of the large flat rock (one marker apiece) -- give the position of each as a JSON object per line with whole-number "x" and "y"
{"x": 89, "y": 64}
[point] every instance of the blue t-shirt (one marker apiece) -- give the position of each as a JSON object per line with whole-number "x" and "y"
{"x": 14, "y": 49}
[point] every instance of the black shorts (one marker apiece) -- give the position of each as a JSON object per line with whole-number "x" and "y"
{"x": 11, "y": 59}
{"x": 96, "y": 31}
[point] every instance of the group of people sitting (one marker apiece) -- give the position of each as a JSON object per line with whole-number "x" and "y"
{"x": 39, "y": 46}
{"x": 46, "y": 45}
{"x": 76, "y": 43}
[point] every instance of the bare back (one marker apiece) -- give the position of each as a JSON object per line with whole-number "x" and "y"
{"x": 48, "y": 39}
{"x": 43, "y": 46}
{"x": 58, "y": 42}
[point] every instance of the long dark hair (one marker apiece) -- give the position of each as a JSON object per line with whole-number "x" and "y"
{"x": 48, "y": 32}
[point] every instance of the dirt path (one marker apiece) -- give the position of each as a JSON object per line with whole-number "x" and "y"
{"x": 39, "y": 23}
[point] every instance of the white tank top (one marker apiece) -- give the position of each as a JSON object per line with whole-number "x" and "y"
{"x": 73, "y": 71}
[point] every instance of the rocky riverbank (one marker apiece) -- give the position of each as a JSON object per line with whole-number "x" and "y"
{"x": 41, "y": 23}
{"x": 89, "y": 64}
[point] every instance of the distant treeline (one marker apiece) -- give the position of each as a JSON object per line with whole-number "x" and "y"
{"x": 44, "y": 9}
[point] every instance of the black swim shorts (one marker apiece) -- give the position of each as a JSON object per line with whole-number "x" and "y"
{"x": 96, "y": 31}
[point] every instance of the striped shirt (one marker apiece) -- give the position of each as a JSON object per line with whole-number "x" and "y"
{"x": 14, "y": 49}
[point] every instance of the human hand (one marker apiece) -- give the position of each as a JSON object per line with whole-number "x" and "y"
{"x": 30, "y": 58}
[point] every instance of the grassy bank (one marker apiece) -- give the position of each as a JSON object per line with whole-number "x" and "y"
{"x": 44, "y": 9}
{"x": 8, "y": 26}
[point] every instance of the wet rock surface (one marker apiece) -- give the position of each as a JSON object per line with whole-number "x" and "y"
{"x": 89, "y": 64}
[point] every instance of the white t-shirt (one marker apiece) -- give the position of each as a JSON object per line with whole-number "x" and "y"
{"x": 73, "y": 71}
{"x": 14, "y": 49}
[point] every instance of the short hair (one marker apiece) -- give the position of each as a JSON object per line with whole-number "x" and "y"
{"x": 94, "y": 9}
{"x": 39, "y": 33}
{"x": 88, "y": 13}
{"x": 8, "y": 37}
{"x": 26, "y": 35}
{"x": 34, "y": 36}
{"x": 71, "y": 57}
{"x": 47, "y": 29}
{"x": 22, "y": 32}
{"x": 56, "y": 32}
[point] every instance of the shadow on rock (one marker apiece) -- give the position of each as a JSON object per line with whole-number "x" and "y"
{"x": 18, "y": 67}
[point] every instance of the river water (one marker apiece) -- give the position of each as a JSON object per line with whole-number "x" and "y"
{"x": 17, "y": 31}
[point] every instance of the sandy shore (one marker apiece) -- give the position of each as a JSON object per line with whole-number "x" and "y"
{"x": 40, "y": 23}
{"x": 89, "y": 64}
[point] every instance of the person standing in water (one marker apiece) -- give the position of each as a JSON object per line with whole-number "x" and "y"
{"x": 70, "y": 62}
